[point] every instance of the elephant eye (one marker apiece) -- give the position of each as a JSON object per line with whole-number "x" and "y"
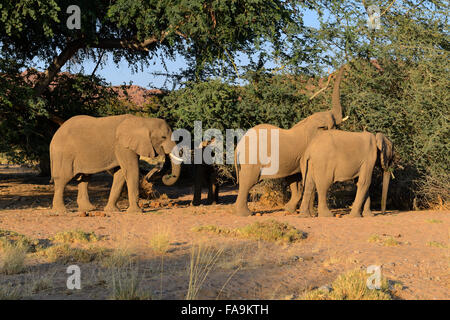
{"x": 163, "y": 137}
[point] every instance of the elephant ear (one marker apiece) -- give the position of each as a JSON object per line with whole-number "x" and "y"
{"x": 132, "y": 134}
{"x": 385, "y": 147}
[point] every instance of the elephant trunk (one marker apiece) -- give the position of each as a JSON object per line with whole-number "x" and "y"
{"x": 384, "y": 192}
{"x": 336, "y": 98}
{"x": 175, "y": 160}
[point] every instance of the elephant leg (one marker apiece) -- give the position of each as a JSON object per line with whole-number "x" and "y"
{"x": 116, "y": 189}
{"x": 322, "y": 185}
{"x": 198, "y": 180}
{"x": 311, "y": 202}
{"x": 84, "y": 204}
{"x": 213, "y": 188}
{"x": 308, "y": 195}
{"x": 296, "y": 193}
{"x": 128, "y": 161}
{"x": 58, "y": 196}
{"x": 366, "y": 209}
{"x": 248, "y": 177}
{"x": 363, "y": 185}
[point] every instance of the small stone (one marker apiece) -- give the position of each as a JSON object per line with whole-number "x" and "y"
{"x": 325, "y": 289}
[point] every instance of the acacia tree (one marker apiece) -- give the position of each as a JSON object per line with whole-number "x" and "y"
{"x": 136, "y": 30}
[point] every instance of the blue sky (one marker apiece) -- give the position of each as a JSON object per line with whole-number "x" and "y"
{"x": 122, "y": 73}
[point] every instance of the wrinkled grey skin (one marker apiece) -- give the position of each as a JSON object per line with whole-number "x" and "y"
{"x": 292, "y": 145}
{"x": 85, "y": 145}
{"x": 336, "y": 155}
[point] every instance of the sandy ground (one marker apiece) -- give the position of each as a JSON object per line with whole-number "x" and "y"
{"x": 247, "y": 269}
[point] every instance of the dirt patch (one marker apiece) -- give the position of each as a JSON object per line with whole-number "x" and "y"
{"x": 411, "y": 247}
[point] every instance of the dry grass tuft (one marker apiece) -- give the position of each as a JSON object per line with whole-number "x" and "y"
{"x": 351, "y": 286}
{"x": 125, "y": 284}
{"x": 118, "y": 258}
{"x": 64, "y": 253}
{"x": 13, "y": 258}
{"x": 75, "y": 236}
{"x": 11, "y": 237}
{"x": 203, "y": 260}
{"x": 387, "y": 241}
{"x": 160, "y": 241}
{"x": 271, "y": 230}
{"x": 437, "y": 244}
{"x": 10, "y": 292}
{"x": 434, "y": 221}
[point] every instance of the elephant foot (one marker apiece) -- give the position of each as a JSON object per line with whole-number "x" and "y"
{"x": 291, "y": 208}
{"x": 195, "y": 203}
{"x": 243, "y": 212}
{"x": 354, "y": 214}
{"x": 111, "y": 208}
{"x": 368, "y": 213}
{"x": 134, "y": 210}
{"x": 303, "y": 214}
{"x": 325, "y": 213}
{"x": 59, "y": 209}
{"x": 85, "y": 207}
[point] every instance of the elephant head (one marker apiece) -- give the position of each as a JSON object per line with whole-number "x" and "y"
{"x": 386, "y": 155}
{"x": 148, "y": 137}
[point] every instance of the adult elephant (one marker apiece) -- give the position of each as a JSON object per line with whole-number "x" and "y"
{"x": 292, "y": 144}
{"x": 337, "y": 155}
{"x": 84, "y": 145}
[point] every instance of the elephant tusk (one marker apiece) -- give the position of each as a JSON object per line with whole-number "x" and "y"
{"x": 345, "y": 119}
{"x": 174, "y": 157}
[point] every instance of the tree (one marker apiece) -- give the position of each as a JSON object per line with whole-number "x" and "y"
{"x": 137, "y": 30}
{"x": 24, "y": 127}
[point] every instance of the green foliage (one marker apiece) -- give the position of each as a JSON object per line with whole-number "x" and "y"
{"x": 26, "y": 122}
{"x": 201, "y": 31}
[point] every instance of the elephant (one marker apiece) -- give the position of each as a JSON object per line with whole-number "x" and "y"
{"x": 205, "y": 175}
{"x": 336, "y": 155}
{"x": 292, "y": 145}
{"x": 85, "y": 145}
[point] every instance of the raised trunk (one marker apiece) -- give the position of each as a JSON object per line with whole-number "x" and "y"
{"x": 336, "y": 107}
{"x": 384, "y": 192}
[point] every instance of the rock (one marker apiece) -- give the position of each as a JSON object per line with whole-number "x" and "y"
{"x": 325, "y": 289}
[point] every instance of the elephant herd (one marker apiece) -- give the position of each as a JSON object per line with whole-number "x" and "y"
{"x": 312, "y": 155}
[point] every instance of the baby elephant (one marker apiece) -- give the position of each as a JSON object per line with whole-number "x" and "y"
{"x": 336, "y": 155}
{"x": 205, "y": 175}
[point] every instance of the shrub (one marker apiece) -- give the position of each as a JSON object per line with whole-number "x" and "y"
{"x": 13, "y": 258}
{"x": 75, "y": 236}
{"x": 270, "y": 230}
{"x": 351, "y": 286}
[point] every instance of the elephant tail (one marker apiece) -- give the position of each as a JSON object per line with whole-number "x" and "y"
{"x": 304, "y": 164}
{"x": 51, "y": 166}
{"x": 236, "y": 167}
